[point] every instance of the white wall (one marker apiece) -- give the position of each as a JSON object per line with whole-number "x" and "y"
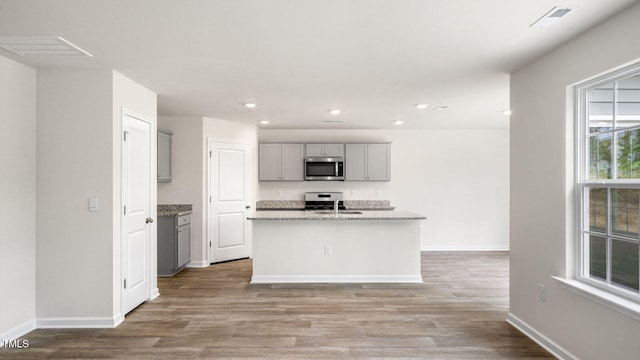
{"x": 190, "y": 164}
{"x": 458, "y": 179}
{"x": 17, "y": 198}
{"x": 78, "y": 157}
{"x": 74, "y": 163}
{"x": 542, "y": 233}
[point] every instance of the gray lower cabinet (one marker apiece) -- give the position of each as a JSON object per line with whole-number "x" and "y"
{"x": 174, "y": 243}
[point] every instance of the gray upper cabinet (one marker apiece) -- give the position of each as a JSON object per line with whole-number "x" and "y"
{"x": 292, "y": 162}
{"x": 331, "y": 150}
{"x": 356, "y": 160}
{"x": 368, "y": 162}
{"x": 379, "y": 162}
{"x": 270, "y": 161}
{"x": 281, "y": 162}
{"x": 165, "y": 139}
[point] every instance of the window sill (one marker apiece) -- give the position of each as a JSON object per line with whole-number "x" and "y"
{"x": 611, "y": 301}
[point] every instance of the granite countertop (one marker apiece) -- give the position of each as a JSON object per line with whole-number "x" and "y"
{"x": 368, "y": 205}
{"x": 280, "y": 205}
{"x": 324, "y": 215}
{"x": 348, "y": 204}
{"x": 174, "y": 209}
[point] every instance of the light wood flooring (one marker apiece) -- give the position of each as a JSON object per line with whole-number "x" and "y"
{"x": 458, "y": 313}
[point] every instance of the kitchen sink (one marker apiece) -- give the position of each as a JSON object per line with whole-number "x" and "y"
{"x": 343, "y": 212}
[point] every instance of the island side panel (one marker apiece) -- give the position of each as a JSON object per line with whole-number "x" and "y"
{"x": 361, "y": 251}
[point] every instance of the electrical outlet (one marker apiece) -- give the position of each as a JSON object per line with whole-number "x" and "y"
{"x": 328, "y": 250}
{"x": 279, "y": 194}
{"x": 542, "y": 292}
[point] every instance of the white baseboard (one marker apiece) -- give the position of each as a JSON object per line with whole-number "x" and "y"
{"x": 59, "y": 323}
{"x": 79, "y": 322}
{"x": 466, "y": 248}
{"x": 154, "y": 294}
{"x": 18, "y": 331}
{"x": 549, "y": 345}
{"x": 119, "y": 319}
{"x": 197, "y": 264}
{"x": 268, "y": 279}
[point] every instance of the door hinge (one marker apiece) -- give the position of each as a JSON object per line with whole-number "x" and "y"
{"x": 125, "y": 209}
{"x": 125, "y": 135}
{"x": 209, "y": 243}
{"x": 125, "y": 283}
{"x": 210, "y": 153}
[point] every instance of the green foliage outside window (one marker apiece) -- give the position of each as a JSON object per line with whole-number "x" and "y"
{"x": 629, "y": 154}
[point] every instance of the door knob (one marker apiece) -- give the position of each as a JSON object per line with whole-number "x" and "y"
{"x": 248, "y": 207}
{"x": 149, "y": 220}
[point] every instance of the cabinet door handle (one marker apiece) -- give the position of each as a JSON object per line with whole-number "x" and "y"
{"x": 149, "y": 220}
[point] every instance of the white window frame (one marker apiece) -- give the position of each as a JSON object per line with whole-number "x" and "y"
{"x": 582, "y": 182}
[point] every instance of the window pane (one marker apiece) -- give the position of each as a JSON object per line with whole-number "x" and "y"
{"x": 628, "y": 156}
{"x": 597, "y": 257}
{"x": 598, "y": 209}
{"x": 600, "y": 156}
{"x": 628, "y": 102}
{"x": 601, "y": 108}
{"x": 625, "y": 207}
{"x": 624, "y": 264}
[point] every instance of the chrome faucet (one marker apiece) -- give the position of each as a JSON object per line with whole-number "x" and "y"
{"x": 335, "y": 206}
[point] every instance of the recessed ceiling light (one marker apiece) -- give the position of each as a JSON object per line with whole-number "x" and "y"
{"x": 41, "y": 46}
{"x": 422, "y": 106}
{"x": 441, "y": 108}
{"x": 398, "y": 122}
{"x": 553, "y": 16}
{"x": 250, "y": 105}
{"x": 264, "y": 122}
{"x": 507, "y": 112}
{"x": 335, "y": 112}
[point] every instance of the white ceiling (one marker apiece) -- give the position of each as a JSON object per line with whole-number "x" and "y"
{"x": 373, "y": 59}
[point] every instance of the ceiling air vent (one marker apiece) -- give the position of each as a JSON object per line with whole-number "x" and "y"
{"x": 41, "y": 46}
{"x": 554, "y": 15}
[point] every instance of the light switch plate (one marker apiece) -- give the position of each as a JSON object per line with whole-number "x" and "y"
{"x": 94, "y": 204}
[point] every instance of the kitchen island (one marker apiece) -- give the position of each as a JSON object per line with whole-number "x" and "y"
{"x": 300, "y": 246}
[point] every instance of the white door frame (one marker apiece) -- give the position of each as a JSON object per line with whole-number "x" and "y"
{"x": 210, "y": 142}
{"x": 150, "y": 261}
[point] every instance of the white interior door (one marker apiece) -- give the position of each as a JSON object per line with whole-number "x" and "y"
{"x": 230, "y": 198}
{"x": 136, "y": 204}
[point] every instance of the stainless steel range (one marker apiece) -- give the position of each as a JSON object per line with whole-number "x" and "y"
{"x": 323, "y": 200}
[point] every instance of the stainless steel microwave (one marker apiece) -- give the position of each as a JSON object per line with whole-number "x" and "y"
{"x": 324, "y": 168}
